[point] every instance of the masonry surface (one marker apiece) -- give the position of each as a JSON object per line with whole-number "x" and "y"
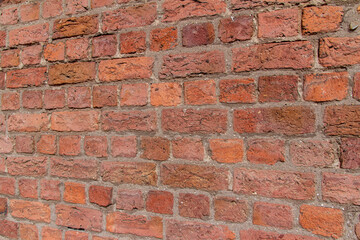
{"x": 179, "y": 119}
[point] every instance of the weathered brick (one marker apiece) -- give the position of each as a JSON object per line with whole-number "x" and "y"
{"x": 69, "y": 145}
{"x": 10, "y": 58}
{"x": 288, "y": 55}
{"x": 28, "y": 188}
{"x": 7, "y": 186}
{"x": 251, "y": 234}
{"x": 133, "y": 42}
{"x": 198, "y": 34}
{"x": 54, "y": 52}
{"x": 165, "y": 94}
{"x": 273, "y": 215}
{"x": 160, "y": 202}
{"x": 194, "y": 206}
{"x": 26, "y": 166}
{"x": 6, "y": 144}
{"x": 8, "y": 229}
{"x": 155, "y": 148}
{"x": 278, "y": 88}
{"x": 76, "y": 235}
{"x": 188, "y": 148}
{"x": 135, "y": 94}
{"x": 76, "y": 6}
{"x": 190, "y": 64}
{"x": 95, "y": 146}
{"x": 279, "y": 23}
{"x": 52, "y": 8}
{"x": 35, "y": 211}
{"x": 349, "y": 153}
{"x": 230, "y": 209}
{"x": 326, "y": 86}
{"x": 30, "y": 34}
{"x": 32, "y": 99}
{"x": 124, "y": 69}
{"x": 274, "y": 183}
{"x": 175, "y": 10}
{"x": 227, "y": 150}
{"x": 323, "y": 221}
{"x": 342, "y": 120}
{"x": 74, "y": 168}
{"x": 78, "y": 121}
{"x": 75, "y": 26}
{"x": 129, "y": 200}
{"x": 200, "y": 92}
{"x": 321, "y": 19}
{"x": 31, "y": 55}
{"x": 138, "y": 225}
{"x": 104, "y": 96}
{"x": 104, "y": 46}
{"x": 77, "y": 48}
{"x": 239, "y": 28}
{"x": 28, "y": 232}
{"x": 24, "y": 144}
{"x": 49, "y": 233}
{"x": 79, "y": 217}
{"x": 140, "y": 173}
{"x": 356, "y": 87}
{"x": 10, "y": 101}
{"x": 193, "y": 176}
{"x": 50, "y": 189}
{"x": 194, "y": 121}
{"x": 54, "y": 98}
{"x": 74, "y": 193}
{"x": 30, "y": 12}
{"x": 129, "y": 120}
{"x": 237, "y": 91}
{"x": 101, "y": 3}
{"x": 100, "y": 195}
{"x": 71, "y": 73}
{"x": 9, "y": 16}
{"x": 2, "y": 76}
{"x": 2, "y": 38}
{"x": 163, "y": 39}
{"x": 3, "y": 206}
{"x": 129, "y": 17}
{"x": 288, "y": 120}
{"x": 266, "y": 151}
{"x": 79, "y": 97}
{"x": 26, "y": 77}
{"x": 125, "y": 146}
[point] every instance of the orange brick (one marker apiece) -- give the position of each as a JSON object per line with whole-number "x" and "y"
{"x": 227, "y": 150}
{"x": 200, "y": 92}
{"x": 166, "y": 94}
{"x": 74, "y": 193}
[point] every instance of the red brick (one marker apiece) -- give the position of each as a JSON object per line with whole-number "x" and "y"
{"x": 69, "y": 145}
{"x": 129, "y": 120}
{"x": 78, "y": 121}
{"x": 6, "y": 144}
{"x": 77, "y": 72}
{"x": 198, "y": 34}
{"x": 32, "y": 99}
{"x": 75, "y": 26}
{"x": 29, "y": 34}
{"x": 129, "y": 200}
{"x": 10, "y": 58}
{"x": 54, "y": 98}
{"x": 357, "y": 230}
{"x": 349, "y": 154}
{"x": 272, "y": 215}
{"x": 3, "y": 206}
{"x": 230, "y": 209}
{"x": 2, "y": 123}
{"x": 194, "y": 206}
{"x": 239, "y": 28}
{"x": 194, "y": 121}
{"x": 31, "y": 55}
{"x": 104, "y": 46}
{"x": 28, "y": 188}
{"x": 278, "y": 88}
{"x": 188, "y": 148}
{"x": 241, "y": 4}
{"x": 163, "y": 39}
{"x": 274, "y": 183}
{"x": 35, "y": 211}
{"x": 237, "y": 91}
{"x": 321, "y": 19}
{"x": 2, "y": 38}
{"x": 227, "y": 150}
{"x": 52, "y": 8}
{"x": 32, "y": 122}
{"x": 200, "y": 92}
{"x": 288, "y": 120}
{"x": 193, "y": 176}
{"x": 166, "y": 94}
{"x": 30, "y": 12}
{"x": 356, "y": 87}
{"x": 9, "y": 16}
{"x": 76, "y": 6}
{"x": 54, "y": 52}
{"x": 134, "y": 94}
{"x": 340, "y": 51}
{"x": 2, "y": 75}
{"x": 127, "y": 68}
{"x": 123, "y": 146}
{"x": 8, "y": 229}
{"x": 192, "y": 64}
{"x": 139, "y": 173}
{"x": 132, "y": 42}
{"x": 175, "y": 10}
{"x": 138, "y": 225}
{"x": 197, "y": 231}
{"x": 100, "y": 195}
{"x": 74, "y": 168}
{"x": 49, "y": 233}
{"x": 342, "y": 120}
{"x": 160, "y": 202}
{"x": 27, "y": 166}
{"x": 101, "y": 3}
{"x": 102, "y": 238}
{"x": 129, "y": 17}
{"x": 279, "y": 23}
{"x": 2, "y": 165}
{"x": 95, "y": 146}
{"x": 28, "y": 232}
{"x": 79, "y": 97}
{"x": 24, "y": 144}
{"x": 10, "y": 101}
{"x": 104, "y": 96}
{"x": 26, "y": 77}
{"x": 50, "y": 189}
{"x": 323, "y": 221}
{"x": 77, "y": 48}
{"x": 266, "y": 151}
{"x": 74, "y": 235}
{"x": 7, "y": 186}
{"x": 341, "y": 188}
{"x": 155, "y": 148}
{"x": 313, "y": 153}
{"x": 288, "y": 55}
{"x": 257, "y": 234}
{"x": 74, "y": 193}
{"x": 79, "y": 218}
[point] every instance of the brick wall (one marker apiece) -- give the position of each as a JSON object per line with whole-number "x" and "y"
{"x": 179, "y": 119}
